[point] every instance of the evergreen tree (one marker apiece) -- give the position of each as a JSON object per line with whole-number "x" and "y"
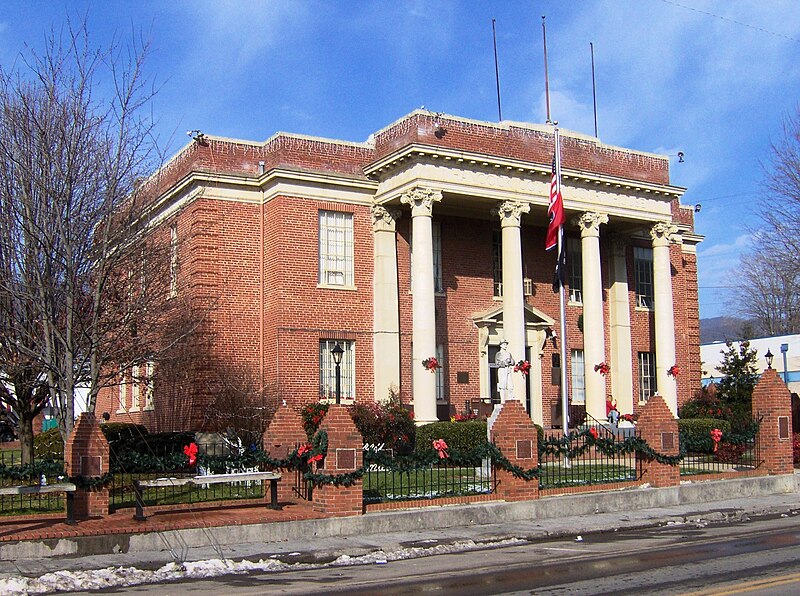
{"x": 739, "y": 376}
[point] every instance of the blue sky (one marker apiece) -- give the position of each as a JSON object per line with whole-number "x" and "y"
{"x": 711, "y": 78}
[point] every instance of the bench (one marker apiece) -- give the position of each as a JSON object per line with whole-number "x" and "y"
{"x": 273, "y": 478}
{"x": 37, "y": 489}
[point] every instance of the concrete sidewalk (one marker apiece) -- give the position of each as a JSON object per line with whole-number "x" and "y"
{"x": 323, "y": 540}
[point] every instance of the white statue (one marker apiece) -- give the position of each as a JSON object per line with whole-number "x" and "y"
{"x": 505, "y": 366}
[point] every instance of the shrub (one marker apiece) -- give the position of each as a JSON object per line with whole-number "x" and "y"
{"x": 312, "y": 415}
{"x": 796, "y": 448}
{"x": 462, "y": 436}
{"x": 387, "y": 423}
{"x": 695, "y": 433}
{"x": 122, "y": 435}
{"x": 48, "y": 445}
{"x": 161, "y": 444}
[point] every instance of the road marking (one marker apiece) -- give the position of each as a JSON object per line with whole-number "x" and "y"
{"x": 751, "y": 586}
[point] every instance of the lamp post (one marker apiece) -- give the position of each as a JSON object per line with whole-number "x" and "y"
{"x": 337, "y": 352}
{"x": 784, "y": 349}
{"x": 768, "y": 357}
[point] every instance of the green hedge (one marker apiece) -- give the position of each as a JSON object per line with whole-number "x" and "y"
{"x": 48, "y": 445}
{"x": 695, "y": 433}
{"x": 462, "y": 436}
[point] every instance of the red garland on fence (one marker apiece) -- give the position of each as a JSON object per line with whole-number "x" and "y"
{"x": 191, "y": 452}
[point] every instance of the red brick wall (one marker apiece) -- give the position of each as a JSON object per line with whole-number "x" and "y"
{"x": 659, "y": 428}
{"x": 772, "y": 401}
{"x": 515, "y": 436}
{"x": 86, "y": 454}
{"x": 344, "y": 443}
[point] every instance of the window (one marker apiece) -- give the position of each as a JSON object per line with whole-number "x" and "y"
{"x": 643, "y": 276}
{"x": 574, "y": 270}
{"x": 439, "y": 373}
{"x": 173, "y": 260}
{"x": 335, "y": 248}
{"x": 123, "y": 390}
{"x": 436, "y": 239}
{"x": 497, "y": 262}
{"x": 647, "y": 375}
{"x": 327, "y": 370}
{"x": 135, "y": 389}
{"x": 149, "y": 386}
{"x": 578, "y": 377}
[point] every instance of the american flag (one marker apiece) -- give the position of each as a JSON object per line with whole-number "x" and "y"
{"x": 555, "y": 210}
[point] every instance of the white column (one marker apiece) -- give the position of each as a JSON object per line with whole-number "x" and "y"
{"x": 594, "y": 350}
{"x": 510, "y": 213}
{"x": 422, "y": 301}
{"x": 619, "y": 314}
{"x": 661, "y": 233}
{"x": 385, "y": 305}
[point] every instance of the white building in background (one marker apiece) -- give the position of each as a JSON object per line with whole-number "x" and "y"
{"x": 784, "y": 348}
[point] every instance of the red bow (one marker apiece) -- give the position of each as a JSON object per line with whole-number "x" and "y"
{"x": 191, "y": 452}
{"x": 441, "y": 447}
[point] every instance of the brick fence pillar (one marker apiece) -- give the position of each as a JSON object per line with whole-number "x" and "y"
{"x": 345, "y": 454}
{"x": 659, "y": 428}
{"x": 772, "y": 401}
{"x": 514, "y": 434}
{"x": 86, "y": 454}
{"x": 284, "y": 433}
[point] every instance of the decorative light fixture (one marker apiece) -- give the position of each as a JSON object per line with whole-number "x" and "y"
{"x": 337, "y": 351}
{"x": 769, "y": 356}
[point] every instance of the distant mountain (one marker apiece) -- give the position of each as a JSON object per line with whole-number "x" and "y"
{"x": 724, "y": 328}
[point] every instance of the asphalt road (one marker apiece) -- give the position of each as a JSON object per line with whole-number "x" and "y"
{"x": 755, "y": 557}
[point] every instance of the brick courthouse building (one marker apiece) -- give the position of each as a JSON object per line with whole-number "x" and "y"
{"x": 426, "y": 240}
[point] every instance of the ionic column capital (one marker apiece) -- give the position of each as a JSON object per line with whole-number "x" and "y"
{"x": 510, "y": 213}
{"x": 421, "y": 200}
{"x": 589, "y": 223}
{"x": 383, "y": 219}
{"x": 663, "y": 233}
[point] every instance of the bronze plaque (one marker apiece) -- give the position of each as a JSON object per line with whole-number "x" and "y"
{"x": 668, "y": 441}
{"x": 91, "y": 465}
{"x": 783, "y": 428}
{"x": 462, "y": 377}
{"x": 345, "y": 459}
{"x": 524, "y": 449}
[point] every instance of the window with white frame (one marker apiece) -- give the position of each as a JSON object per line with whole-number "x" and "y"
{"x": 173, "y": 260}
{"x": 497, "y": 262}
{"x": 135, "y": 388}
{"x": 647, "y": 375}
{"x": 149, "y": 386}
{"x": 578, "y": 377}
{"x": 643, "y": 276}
{"x": 574, "y": 270}
{"x": 335, "y": 248}
{"x": 327, "y": 370}
{"x": 436, "y": 238}
{"x": 123, "y": 390}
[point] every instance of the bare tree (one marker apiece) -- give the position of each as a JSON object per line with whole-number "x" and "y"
{"x": 767, "y": 290}
{"x": 768, "y": 277}
{"x": 81, "y": 286}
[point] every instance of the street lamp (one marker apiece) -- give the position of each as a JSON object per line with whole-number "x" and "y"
{"x": 768, "y": 356}
{"x": 784, "y": 349}
{"x": 337, "y": 352}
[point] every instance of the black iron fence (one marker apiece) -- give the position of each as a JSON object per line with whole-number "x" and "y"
{"x": 126, "y": 469}
{"x": 721, "y": 452}
{"x": 405, "y": 481}
{"x": 31, "y": 503}
{"x": 576, "y": 460}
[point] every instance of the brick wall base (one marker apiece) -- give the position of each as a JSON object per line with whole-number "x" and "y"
{"x": 86, "y": 454}
{"x": 772, "y": 401}
{"x": 514, "y": 433}
{"x": 284, "y": 433}
{"x": 659, "y": 428}
{"x": 345, "y": 455}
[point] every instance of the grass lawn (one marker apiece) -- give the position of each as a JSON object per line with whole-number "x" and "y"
{"x": 425, "y": 484}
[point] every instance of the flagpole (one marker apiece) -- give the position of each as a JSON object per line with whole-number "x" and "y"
{"x": 562, "y": 304}
{"x": 546, "y": 77}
